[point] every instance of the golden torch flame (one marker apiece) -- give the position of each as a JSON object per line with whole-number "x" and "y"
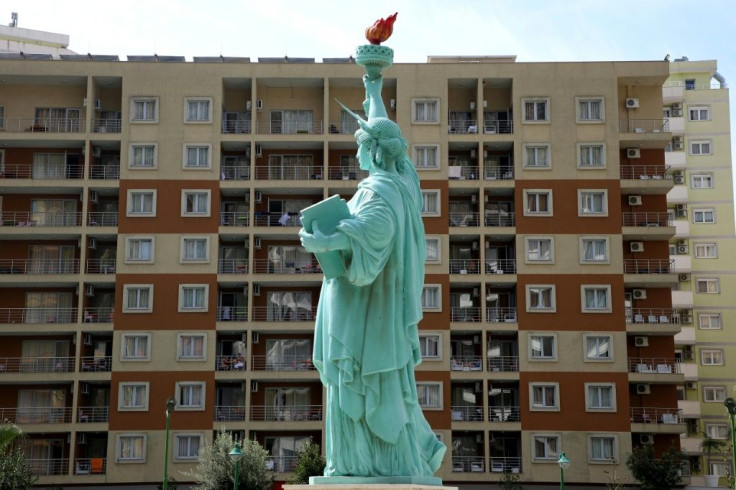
{"x": 381, "y": 29}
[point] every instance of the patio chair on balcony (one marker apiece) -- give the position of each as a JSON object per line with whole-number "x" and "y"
{"x": 638, "y": 318}
{"x": 652, "y": 319}
{"x": 477, "y": 466}
{"x": 664, "y": 319}
{"x": 496, "y": 466}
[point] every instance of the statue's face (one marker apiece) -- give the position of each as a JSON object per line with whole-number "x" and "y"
{"x": 364, "y": 157}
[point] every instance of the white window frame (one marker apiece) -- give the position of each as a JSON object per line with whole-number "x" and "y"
{"x": 538, "y": 241}
{"x": 438, "y": 289}
{"x": 585, "y": 194}
{"x": 550, "y": 202}
{"x": 427, "y": 340}
{"x": 714, "y": 394}
{"x": 119, "y": 447}
{"x": 706, "y": 250}
{"x": 430, "y": 385}
{"x": 145, "y": 147}
{"x": 585, "y": 155}
{"x": 422, "y": 153}
{"x": 580, "y": 112}
{"x": 604, "y": 288}
{"x": 123, "y": 342}
{"x": 131, "y": 213}
{"x": 613, "y": 458}
{"x": 717, "y": 431}
{"x": 180, "y": 406}
{"x": 548, "y": 457}
{"x": 130, "y": 259}
{"x": 208, "y": 117}
{"x": 185, "y": 193}
{"x": 700, "y": 112}
{"x": 146, "y": 100}
{"x": 700, "y": 147}
{"x": 544, "y": 408}
{"x": 708, "y": 281}
{"x": 425, "y": 101}
{"x": 597, "y": 239}
{"x": 127, "y": 288}
{"x": 709, "y": 317}
{"x": 143, "y": 407}
{"x": 702, "y": 181}
{"x": 535, "y": 118}
{"x": 438, "y": 241}
{"x": 183, "y": 249}
{"x": 705, "y": 216}
{"x": 711, "y": 357}
{"x": 184, "y": 356}
{"x": 205, "y": 288}
{"x": 543, "y": 356}
{"x": 427, "y": 194}
{"x": 535, "y": 163}
{"x": 551, "y": 309}
{"x": 589, "y": 398}
{"x": 598, "y": 339}
{"x": 190, "y": 436}
{"x": 185, "y": 164}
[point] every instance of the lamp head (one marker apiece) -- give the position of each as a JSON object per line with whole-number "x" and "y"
{"x": 730, "y": 405}
{"x": 236, "y": 454}
{"x": 170, "y": 404}
{"x": 563, "y": 461}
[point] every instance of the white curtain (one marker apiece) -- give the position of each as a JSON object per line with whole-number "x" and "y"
{"x": 300, "y": 121}
{"x": 54, "y": 212}
{"x": 48, "y": 308}
{"x": 288, "y": 354}
{"x": 288, "y": 257}
{"x": 49, "y": 166}
{"x": 289, "y": 306}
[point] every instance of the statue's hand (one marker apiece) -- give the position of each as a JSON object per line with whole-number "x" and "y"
{"x": 315, "y": 242}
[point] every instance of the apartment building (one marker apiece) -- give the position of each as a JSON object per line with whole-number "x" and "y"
{"x": 696, "y": 103}
{"x": 149, "y": 249}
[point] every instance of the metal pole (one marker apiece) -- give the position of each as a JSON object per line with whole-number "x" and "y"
{"x": 237, "y": 464}
{"x": 166, "y": 453}
{"x": 562, "y": 479}
{"x": 731, "y": 406}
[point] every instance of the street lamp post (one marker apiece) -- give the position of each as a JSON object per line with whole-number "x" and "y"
{"x": 731, "y": 407}
{"x": 236, "y": 455}
{"x": 170, "y": 404}
{"x": 564, "y": 464}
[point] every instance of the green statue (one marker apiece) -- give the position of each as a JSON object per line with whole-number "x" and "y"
{"x": 366, "y": 336}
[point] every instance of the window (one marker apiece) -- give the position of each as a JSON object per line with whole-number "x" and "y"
{"x": 190, "y": 395}
{"x": 706, "y": 251}
{"x": 590, "y": 109}
{"x": 542, "y": 347}
{"x": 139, "y": 249}
{"x": 133, "y": 396}
{"x": 195, "y": 203}
{"x": 536, "y": 110}
{"x": 700, "y": 147}
{"x": 595, "y": 298}
{"x": 186, "y": 446}
{"x": 593, "y": 202}
{"x": 137, "y": 298}
{"x": 710, "y": 321}
{"x": 198, "y": 110}
{"x": 714, "y": 394}
{"x": 195, "y": 249}
{"x": 591, "y": 155}
{"x": 711, "y": 357}
{"x": 699, "y": 113}
{"x": 546, "y": 447}
{"x": 690, "y": 84}
{"x": 426, "y": 156}
{"x": 191, "y": 346}
{"x": 598, "y": 348}
{"x": 193, "y": 297}
{"x": 537, "y": 156}
{"x": 603, "y": 449}
{"x": 544, "y": 396}
{"x": 136, "y": 347}
{"x": 144, "y": 109}
{"x": 425, "y": 110}
{"x": 431, "y": 297}
{"x": 594, "y": 249}
{"x": 430, "y": 346}
{"x": 142, "y": 203}
{"x": 197, "y": 156}
{"x": 429, "y": 395}
{"x": 707, "y": 286}
{"x": 539, "y": 249}
{"x": 142, "y": 156}
{"x": 704, "y": 215}
{"x": 717, "y": 431}
{"x": 2, "y": 117}
{"x": 538, "y": 202}
{"x": 540, "y": 298}
{"x": 600, "y": 397}
{"x": 433, "y": 249}
{"x": 131, "y": 448}
{"x": 701, "y": 181}
{"x": 430, "y": 203}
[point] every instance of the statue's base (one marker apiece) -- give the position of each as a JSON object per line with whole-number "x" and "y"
{"x": 375, "y": 482}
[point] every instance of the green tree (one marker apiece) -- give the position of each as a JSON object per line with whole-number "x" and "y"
{"x": 655, "y": 474}
{"x": 709, "y": 446}
{"x": 15, "y": 473}
{"x": 510, "y": 481}
{"x": 309, "y": 462}
{"x": 215, "y": 470}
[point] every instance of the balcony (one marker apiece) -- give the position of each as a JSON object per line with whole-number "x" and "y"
{"x": 289, "y": 127}
{"x": 91, "y": 466}
{"x": 501, "y": 314}
{"x": 459, "y": 168}
{"x": 234, "y": 218}
{"x": 499, "y": 218}
{"x": 654, "y": 365}
{"x": 106, "y": 125}
{"x": 268, "y": 266}
{"x": 42, "y": 172}
{"x": 466, "y": 413}
{"x": 647, "y": 219}
{"x": 643, "y": 126}
{"x": 498, "y": 127}
{"x": 656, "y": 321}
{"x": 501, "y": 266}
{"x": 262, "y": 218}
{"x": 649, "y": 266}
{"x": 464, "y": 219}
{"x": 229, "y": 413}
{"x": 36, "y": 415}
{"x": 504, "y": 413}
{"x": 287, "y": 413}
{"x": 507, "y": 364}
{"x": 46, "y": 467}
{"x": 100, "y": 266}
{"x": 98, "y": 314}
{"x": 495, "y": 172}
{"x": 655, "y": 415}
{"x": 283, "y": 363}
{"x": 465, "y": 314}
{"x": 466, "y": 363}
{"x": 230, "y": 363}
{"x": 269, "y": 314}
{"x": 468, "y": 464}
{"x": 38, "y": 267}
{"x": 462, "y": 126}
{"x": 44, "y": 125}
{"x": 464, "y": 266}
{"x": 38, "y": 315}
{"x": 502, "y": 465}
{"x": 102, "y": 218}
{"x": 232, "y": 266}
{"x": 235, "y": 172}
{"x": 36, "y": 364}
{"x": 96, "y": 364}
{"x": 645, "y": 172}
{"x": 232, "y": 313}
{"x": 30, "y": 218}
{"x": 92, "y": 415}
{"x": 346, "y": 173}
{"x": 289, "y": 172}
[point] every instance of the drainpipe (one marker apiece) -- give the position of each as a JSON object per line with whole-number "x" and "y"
{"x": 721, "y": 79}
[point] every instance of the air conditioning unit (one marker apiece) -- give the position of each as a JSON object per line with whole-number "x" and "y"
{"x": 633, "y": 153}
{"x": 634, "y": 200}
{"x": 257, "y": 243}
{"x": 256, "y": 290}
{"x": 98, "y": 104}
{"x": 256, "y": 338}
{"x": 646, "y": 439}
{"x": 679, "y": 179}
{"x": 87, "y": 339}
{"x": 97, "y": 152}
{"x": 678, "y": 145}
{"x": 636, "y": 246}
{"x": 641, "y": 341}
{"x": 91, "y": 243}
{"x": 632, "y": 103}
{"x": 688, "y": 355}
{"x": 684, "y": 277}
{"x": 254, "y": 386}
{"x": 81, "y": 438}
{"x": 676, "y": 106}
{"x": 248, "y": 105}
{"x": 691, "y": 385}
{"x": 640, "y": 294}
{"x": 682, "y": 249}
{"x": 94, "y": 196}
{"x": 676, "y": 113}
{"x": 89, "y": 290}
{"x": 682, "y": 213}
{"x": 687, "y": 319}
{"x": 84, "y": 388}
{"x": 681, "y": 242}
{"x": 643, "y": 389}
{"x": 259, "y": 196}
{"x": 259, "y": 104}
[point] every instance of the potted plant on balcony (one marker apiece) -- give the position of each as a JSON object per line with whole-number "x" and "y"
{"x": 709, "y": 445}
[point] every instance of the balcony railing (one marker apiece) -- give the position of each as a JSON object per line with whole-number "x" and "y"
{"x": 106, "y": 125}
{"x": 501, "y": 465}
{"x": 28, "y": 218}
{"x": 53, "y": 125}
{"x": 229, "y": 363}
{"x": 494, "y": 172}
{"x": 232, "y": 266}
{"x": 289, "y": 172}
{"x": 494, "y": 127}
{"x": 468, "y": 126}
{"x": 235, "y": 172}
{"x": 234, "y": 218}
{"x": 306, "y": 127}
{"x": 42, "y": 172}
{"x": 230, "y": 413}
{"x": 651, "y": 219}
{"x": 656, "y": 415}
{"x": 89, "y": 415}
{"x": 289, "y": 413}
{"x": 282, "y": 464}
{"x": 104, "y": 172}
{"x": 100, "y": 266}
{"x": 283, "y": 363}
{"x": 501, "y": 266}
{"x": 36, "y": 364}
{"x": 270, "y": 314}
{"x": 103, "y": 314}
{"x": 465, "y": 413}
{"x": 276, "y": 219}
{"x": 466, "y": 363}
{"x": 506, "y": 364}
{"x": 643, "y": 172}
{"x": 465, "y": 314}
{"x": 46, "y": 467}
{"x": 464, "y": 219}
{"x": 96, "y": 363}
{"x": 649, "y": 266}
{"x": 464, "y": 266}
{"x": 503, "y": 218}
{"x": 468, "y": 464}
{"x": 501, "y": 314}
{"x": 644, "y": 126}
{"x": 267, "y": 266}
{"x": 36, "y": 415}
{"x": 462, "y": 172}
{"x": 346, "y": 173}
{"x": 108, "y": 218}
{"x": 90, "y": 466}
{"x": 232, "y": 313}
{"x": 652, "y": 315}
{"x": 654, "y": 365}
{"x": 34, "y": 266}
{"x": 38, "y": 315}
{"x": 504, "y": 413}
